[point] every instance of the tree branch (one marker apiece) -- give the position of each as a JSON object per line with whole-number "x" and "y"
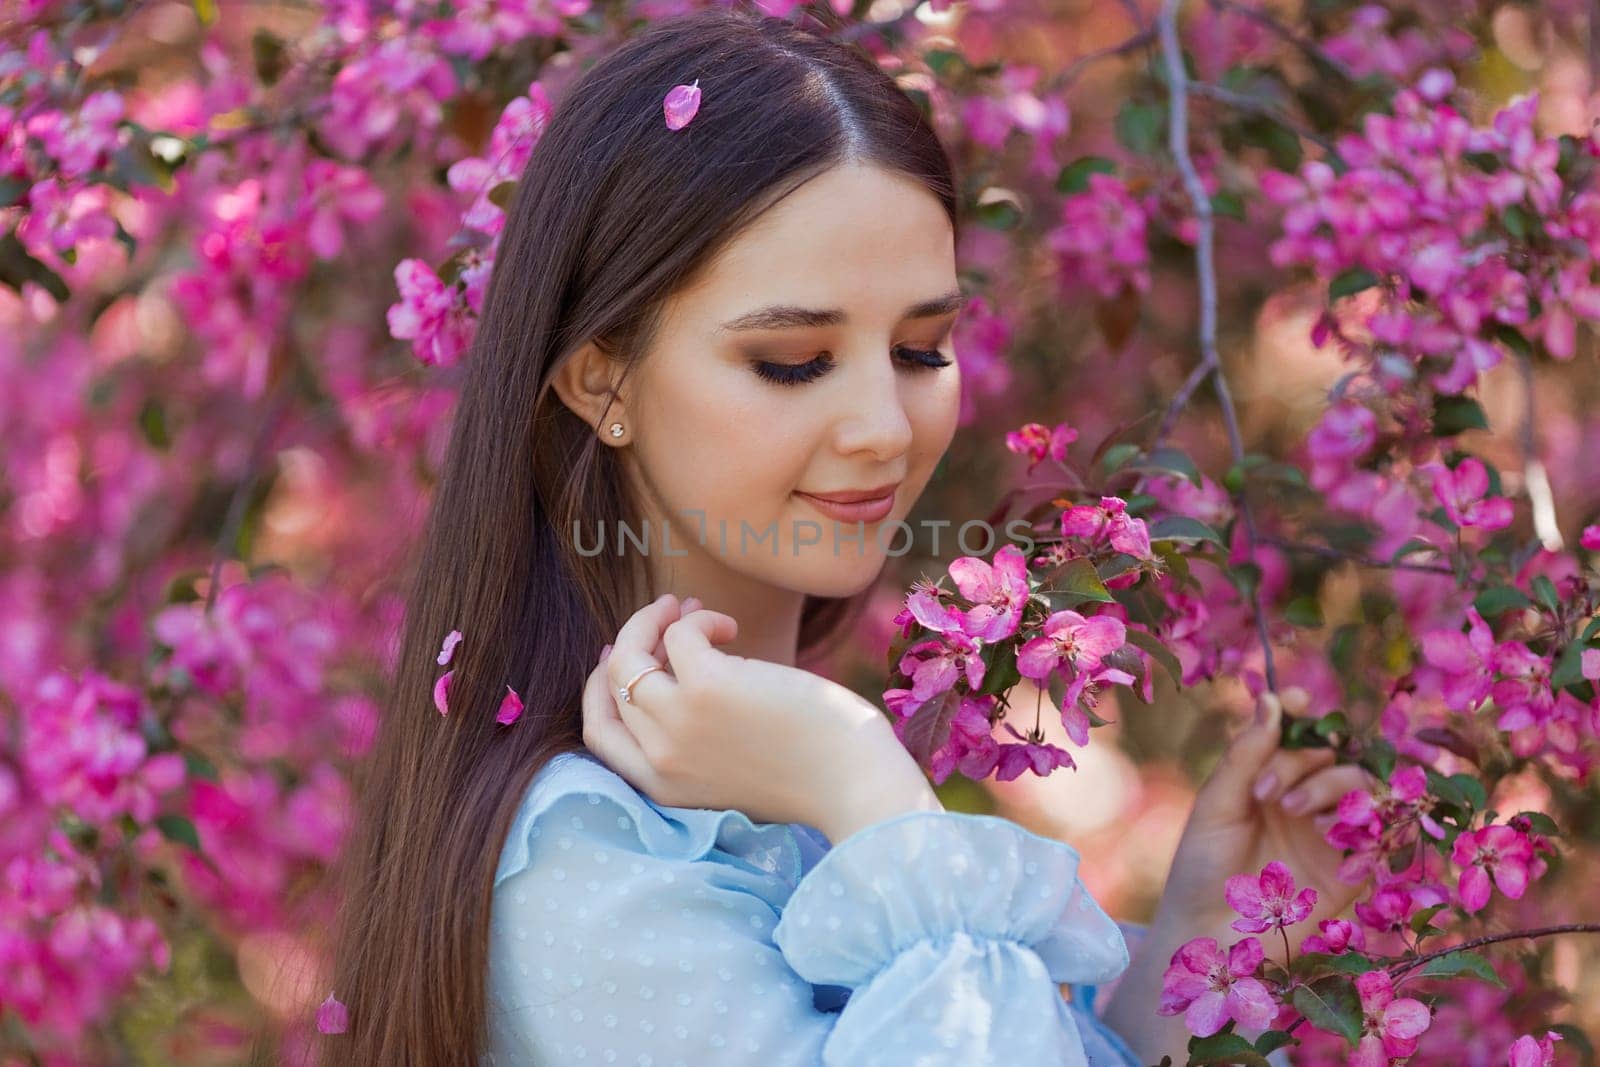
{"x": 1205, "y": 268}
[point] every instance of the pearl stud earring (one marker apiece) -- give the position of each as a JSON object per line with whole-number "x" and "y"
{"x": 616, "y": 429}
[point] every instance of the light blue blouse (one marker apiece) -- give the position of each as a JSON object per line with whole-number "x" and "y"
{"x": 623, "y": 931}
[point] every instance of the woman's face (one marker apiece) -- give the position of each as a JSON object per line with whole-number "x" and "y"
{"x": 848, "y": 287}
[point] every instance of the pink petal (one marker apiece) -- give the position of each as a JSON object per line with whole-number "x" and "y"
{"x": 974, "y": 577}
{"x": 452, "y": 639}
{"x": 1207, "y": 1015}
{"x": 1473, "y": 888}
{"x": 680, "y": 104}
{"x": 440, "y": 689}
{"x": 510, "y": 708}
{"x": 1406, "y": 1018}
{"x": 332, "y": 1016}
{"x": 1251, "y": 1004}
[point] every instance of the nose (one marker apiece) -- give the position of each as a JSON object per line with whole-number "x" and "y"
{"x": 874, "y": 418}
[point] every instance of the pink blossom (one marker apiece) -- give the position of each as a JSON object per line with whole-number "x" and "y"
{"x": 1462, "y": 492}
{"x": 935, "y": 666}
{"x": 1496, "y": 853}
{"x": 1108, "y": 524}
{"x": 1590, "y": 538}
{"x": 1464, "y": 661}
{"x": 1335, "y": 938}
{"x": 430, "y": 314}
{"x": 1268, "y": 901}
{"x": 1210, "y": 988}
{"x": 1528, "y": 1051}
{"x": 1071, "y": 642}
{"x": 1040, "y": 442}
{"x": 999, "y": 592}
{"x": 441, "y": 692}
{"x": 1101, "y": 239}
{"x": 1040, "y": 757}
{"x": 339, "y": 197}
{"x": 1389, "y": 1028}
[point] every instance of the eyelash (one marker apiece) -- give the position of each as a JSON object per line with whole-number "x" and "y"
{"x": 811, "y": 370}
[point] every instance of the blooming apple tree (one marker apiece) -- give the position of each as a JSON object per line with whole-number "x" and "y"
{"x": 244, "y": 247}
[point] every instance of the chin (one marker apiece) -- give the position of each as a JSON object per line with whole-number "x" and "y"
{"x": 828, "y": 575}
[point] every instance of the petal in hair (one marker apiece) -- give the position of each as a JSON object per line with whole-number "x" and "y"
{"x": 452, "y": 639}
{"x": 441, "y": 690}
{"x": 680, "y": 104}
{"x": 510, "y": 708}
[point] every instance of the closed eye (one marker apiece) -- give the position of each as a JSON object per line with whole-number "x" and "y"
{"x": 800, "y": 373}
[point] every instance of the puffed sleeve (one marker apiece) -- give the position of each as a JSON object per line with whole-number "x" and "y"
{"x": 620, "y": 936}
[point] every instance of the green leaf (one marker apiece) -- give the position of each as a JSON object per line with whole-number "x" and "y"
{"x": 1541, "y": 823}
{"x": 929, "y": 726}
{"x": 1168, "y": 461}
{"x": 1074, "y": 177}
{"x": 1350, "y": 282}
{"x": 269, "y": 56}
{"x": 1139, "y": 127}
{"x": 1516, "y": 221}
{"x": 1334, "y": 722}
{"x": 1000, "y": 669}
{"x": 1459, "y": 964}
{"x": 1225, "y": 1047}
{"x": 1545, "y": 590}
{"x": 1500, "y": 599}
{"x": 1331, "y": 1004}
{"x": 153, "y": 423}
{"x": 1119, "y": 454}
{"x": 1080, "y": 578}
{"x": 1379, "y": 758}
{"x": 1457, "y": 414}
{"x": 199, "y": 766}
{"x": 1158, "y": 652}
{"x": 999, "y": 214}
{"x": 1227, "y": 203}
{"x": 179, "y": 829}
{"x": 1183, "y": 528}
{"x": 1569, "y": 667}
{"x": 17, "y": 265}
{"x": 1424, "y": 918}
{"x": 1304, "y": 611}
{"x": 1272, "y": 1040}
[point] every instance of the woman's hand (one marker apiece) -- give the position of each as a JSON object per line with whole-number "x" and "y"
{"x": 716, "y": 730}
{"x": 1245, "y": 816}
{"x": 1233, "y": 831}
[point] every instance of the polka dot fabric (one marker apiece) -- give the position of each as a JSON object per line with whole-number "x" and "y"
{"x": 626, "y": 932}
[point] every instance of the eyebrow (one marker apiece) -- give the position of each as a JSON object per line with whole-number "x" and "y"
{"x": 789, "y": 316}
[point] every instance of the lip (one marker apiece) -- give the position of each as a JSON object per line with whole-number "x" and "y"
{"x": 868, "y": 505}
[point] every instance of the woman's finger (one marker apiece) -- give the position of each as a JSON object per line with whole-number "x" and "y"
{"x": 1323, "y": 790}
{"x": 659, "y": 653}
{"x": 1285, "y": 768}
{"x": 606, "y": 735}
{"x": 1224, "y": 796}
{"x": 633, "y": 652}
{"x": 689, "y": 638}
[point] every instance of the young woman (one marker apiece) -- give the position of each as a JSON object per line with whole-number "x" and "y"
{"x": 688, "y": 849}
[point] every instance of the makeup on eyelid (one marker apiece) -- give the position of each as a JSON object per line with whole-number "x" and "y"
{"x": 811, "y": 370}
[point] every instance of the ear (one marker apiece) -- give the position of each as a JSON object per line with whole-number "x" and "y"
{"x": 587, "y": 383}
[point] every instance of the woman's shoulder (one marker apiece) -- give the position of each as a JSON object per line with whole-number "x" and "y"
{"x": 576, "y": 793}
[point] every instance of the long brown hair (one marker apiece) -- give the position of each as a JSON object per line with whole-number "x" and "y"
{"x": 613, "y": 213}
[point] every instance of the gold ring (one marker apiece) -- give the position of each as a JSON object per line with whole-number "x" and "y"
{"x": 625, "y": 692}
